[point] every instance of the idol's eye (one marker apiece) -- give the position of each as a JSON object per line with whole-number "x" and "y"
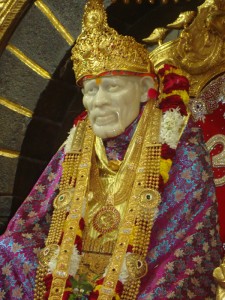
{"x": 113, "y": 87}
{"x": 91, "y": 90}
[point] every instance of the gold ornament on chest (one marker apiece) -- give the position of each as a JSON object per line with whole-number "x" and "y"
{"x": 106, "y": 219}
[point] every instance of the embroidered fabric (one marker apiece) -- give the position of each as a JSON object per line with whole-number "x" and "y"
{"x": 184, "y": 248}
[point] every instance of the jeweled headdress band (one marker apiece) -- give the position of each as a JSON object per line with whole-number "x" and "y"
{"x": 100, "y": 48}
{"x": 120, "y": 73}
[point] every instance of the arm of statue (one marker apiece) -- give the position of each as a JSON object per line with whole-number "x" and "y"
{"x": 219, "y": 276}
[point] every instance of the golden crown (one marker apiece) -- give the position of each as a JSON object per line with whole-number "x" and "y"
{"x": 99, "y": 48}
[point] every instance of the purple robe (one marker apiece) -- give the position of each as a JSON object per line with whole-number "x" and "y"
{"x": 185, "y": 246}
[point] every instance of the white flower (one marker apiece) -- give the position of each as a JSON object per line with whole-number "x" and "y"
{"x": 69, "y": 141}
{"x": 171, "y": 126}
{"x": 124, "y": 272}
{"x": 74, "y": 261}
{"x": 53, "y": 261}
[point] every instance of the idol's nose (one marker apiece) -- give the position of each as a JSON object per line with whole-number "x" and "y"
{"x": 101, "y": 98}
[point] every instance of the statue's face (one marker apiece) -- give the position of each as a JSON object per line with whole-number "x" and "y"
{"x": 113, "y": 102}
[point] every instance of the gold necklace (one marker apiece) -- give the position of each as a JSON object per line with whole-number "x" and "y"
{"x": 107, "y": 218}
{"x": 73, "y": 186}
{"x": 139, "y": 216}
{"x": 139, "y": 210}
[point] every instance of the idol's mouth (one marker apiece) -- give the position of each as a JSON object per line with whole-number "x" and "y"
{"x": 103, "y": 120}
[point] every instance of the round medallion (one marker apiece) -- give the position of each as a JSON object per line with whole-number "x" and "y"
{"x": 136, "y": 266}
{"x": 198, "y": 109}
{"x": 62, "y": 200}
{"x": 106, "y": 219}
{"x": 47, "y": 254}
{"x": 150, "y": 198}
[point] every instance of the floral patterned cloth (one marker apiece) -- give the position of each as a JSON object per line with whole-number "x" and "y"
{"x": 26, "y": 234}
{"x": 184, "y": 248}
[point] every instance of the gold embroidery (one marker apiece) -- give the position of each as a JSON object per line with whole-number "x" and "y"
{"x": 218, "y": 160}
{"x": 98, "y": 45}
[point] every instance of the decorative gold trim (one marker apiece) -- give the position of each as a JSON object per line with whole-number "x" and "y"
{"x": 16, "y": 107}
{"x": 219, "y": 181}
{"x": 150, "y": 1}
{"x": 9, "y": 153}
{"x": 27, "y": 61}
{"x": 55, "y": 22}
{"x": 218, "y": 160}
{"x": 98, "y": 43}
{"x": 9, "y": 10}
{"x": 199, "y": 51}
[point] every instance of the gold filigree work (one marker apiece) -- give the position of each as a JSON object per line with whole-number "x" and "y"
{"x": 218, "y": 160}
{"x": 200, "y": 49}
{"x": 136, "y": 265}
{"x": 106, "y": 219}
{"x": 150, "y": 1}
{"x": 46, "y": 254}
{"x": 98, "y": 45}
{"x": 9, "y": 10}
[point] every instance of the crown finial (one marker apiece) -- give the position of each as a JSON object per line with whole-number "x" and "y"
{"x": 99, "y": 48}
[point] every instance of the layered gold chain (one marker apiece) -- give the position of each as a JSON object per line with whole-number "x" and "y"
{"x": 137, "y": 220}
{"x": 139, "y": 216}
{"x": 73, "y": 177}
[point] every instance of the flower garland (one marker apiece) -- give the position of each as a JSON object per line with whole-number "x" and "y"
{"x": 173, "y": 103}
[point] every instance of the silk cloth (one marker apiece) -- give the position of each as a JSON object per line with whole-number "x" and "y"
{"x": 184, "y": 248}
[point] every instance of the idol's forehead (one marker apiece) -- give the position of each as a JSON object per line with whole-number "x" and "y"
{"x": 112, "y": 78}
{"x": 114, "y": 75}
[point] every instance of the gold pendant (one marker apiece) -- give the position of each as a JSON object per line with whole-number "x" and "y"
{"x": 47, "y": 254}
{"x": 106, "y": 219}
{"x": 150, "y": 198}
{"x": 63, "y": 199}
{"x": 136, "y": 265}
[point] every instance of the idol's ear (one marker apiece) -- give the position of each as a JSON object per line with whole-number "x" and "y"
{"x": 147, "y": 82}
